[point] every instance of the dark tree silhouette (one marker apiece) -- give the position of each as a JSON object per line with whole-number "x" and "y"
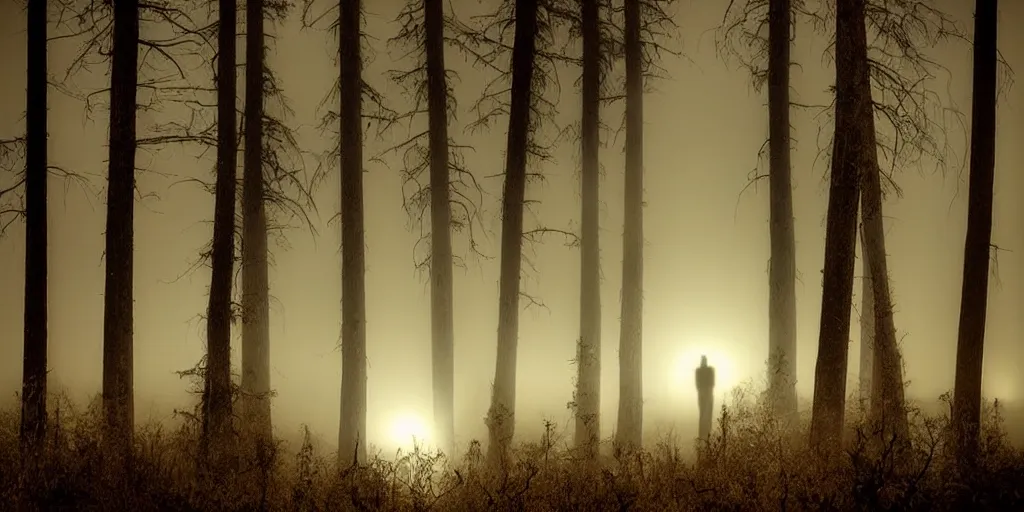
{"x": 588, "y": 352}
{"x": 974, "y": 297}
{"x": 441, "y": 309}
{"x": 352, "y": 431}
{"x": 500, "y": 416}
{"x": 630, "y": 418}
{"x": 529, "y": 60}
{"x": 782, "y": 354}
{"x": 744, "y": 21}
{"x": 887, "y": 409}
{"x": 852, "y": 96}
{"x": 437, "y": 184}
{"x": 866, "y": 368}
{"x": 255, "y": 280}
{"x": 33, "y": 391}
{"x": 118, "y": 316}
{"x": 217, "y": 428}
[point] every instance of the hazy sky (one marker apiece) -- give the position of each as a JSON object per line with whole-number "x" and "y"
{"x": 705, "y": 257}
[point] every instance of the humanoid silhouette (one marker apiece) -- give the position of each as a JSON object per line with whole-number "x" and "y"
{"x": 705, "y": 377}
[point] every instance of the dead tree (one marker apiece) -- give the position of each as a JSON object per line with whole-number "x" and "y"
{"x": 630, "y": 418}
{"x": 217, "y": 417}
{"x": 974, "y": 297}
{"x": 113, "y": 31}
{"x": 588, "y": 351}
{"x": 118, "y": 316}
{"x": 905, "y": 124}
{"x": 866, "y": 368}
{"x": 255, "y": 278}
{"x": 501, "y": 415}
{"x": 33, "y": 392}
{"x": 437, "y": 184}
{"x": 887, "y": 398}
{"x": 351, "y": 91}
{"x": 520, "y": 92}
{"x": 852, "y": 82}
{"x": 745, "y": 21}
{"x": 352, "y": 432}
{"x": 645, "y": 23}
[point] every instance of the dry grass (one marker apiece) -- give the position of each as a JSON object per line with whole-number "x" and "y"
{"x": 748, "y": 465}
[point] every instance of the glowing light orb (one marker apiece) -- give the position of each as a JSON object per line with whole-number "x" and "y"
{"x": 687, "y": 361}
{"x": 408, "y": 430}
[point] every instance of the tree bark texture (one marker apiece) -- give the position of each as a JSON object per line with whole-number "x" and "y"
{"x": 501, "y": 416}
{"x": 588, "y": 354}
{"x": 841, "y": 224}
{"x": 867, "y": 329}
{"x": 887, "y": 397}
{"x": 217, "y": 431}
{"x": 118, "y": 308}
{"x": 629, "y": 430}
{"x": 352, "y": 429}
{"x": 782, "y": 270}
{"x": 255, "y": 279}
{"x": 442, "y": 316}
{"x": 974, "y": 296}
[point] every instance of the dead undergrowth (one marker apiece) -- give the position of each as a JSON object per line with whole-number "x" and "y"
{"x": 749, "y": 464}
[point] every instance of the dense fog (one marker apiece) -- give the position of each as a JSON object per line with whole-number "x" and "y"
{"x": 706, "y": 232}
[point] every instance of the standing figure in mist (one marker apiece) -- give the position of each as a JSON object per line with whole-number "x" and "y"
{"x": 705, "y": 396}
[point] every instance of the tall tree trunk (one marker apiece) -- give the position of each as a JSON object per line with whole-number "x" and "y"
{"x": 118, "y": 309}
{"x": 841, "y": 225}
{"x": 352, "y": 430}
{"x": 217, "y": 403}
{"x": 630, "y": 421}
{"x": 866, "y": 367}
{"x": 255, "y": 282}
{"x": 887, "y": 400}
{"x": 501, "y": 416}
{"x": 588, "y": 354}
{"x": 33, "y": 391}
{"x": 974, "y": 297}
{"x": 442, "y": 319}
{"x": 782, "y": 270}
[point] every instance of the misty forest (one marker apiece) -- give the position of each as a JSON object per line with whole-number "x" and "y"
{"x": 511, "y": 255}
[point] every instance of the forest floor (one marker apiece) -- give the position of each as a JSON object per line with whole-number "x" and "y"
{"x": 747, "y": 465}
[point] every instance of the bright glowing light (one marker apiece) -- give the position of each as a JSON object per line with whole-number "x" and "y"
{"x": 409, "y": 430}
{"x": 1004, "y": 389}
{"x": 687, "y": 361}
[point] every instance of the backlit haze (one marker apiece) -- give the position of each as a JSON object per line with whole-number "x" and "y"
{"x": 706, "y": 254}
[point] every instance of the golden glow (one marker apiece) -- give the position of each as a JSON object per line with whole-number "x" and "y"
{"x": 727, "y": 374}
{"x": 1002, "y": 388}
{"x": 408, "y": 430}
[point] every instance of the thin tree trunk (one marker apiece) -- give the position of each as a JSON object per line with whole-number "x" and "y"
{"x": 501, "y": 416}
{"x": 118, "y": 312}
{"x": 588, "y": 355}
{"x": 33, "y": 392}
{"x": 352, "y": 430}
{"x": 867, "y": 329}
{"x": 630, "y": 421}
{"x": 841, "y": 227}
{"x": 255, "y": 281}
{"x": 887, "y": 398}
{"x": 441, "y": 310}
{"x": 782, "y": 270}
{"x": 974, "y": 297}
{"x": 217, "y": 420}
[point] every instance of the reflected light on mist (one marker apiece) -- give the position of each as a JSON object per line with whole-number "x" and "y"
{"x": 1002, "y": 387}
{"x": 727, "y": 375}
{"x": 408, "y": 430}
